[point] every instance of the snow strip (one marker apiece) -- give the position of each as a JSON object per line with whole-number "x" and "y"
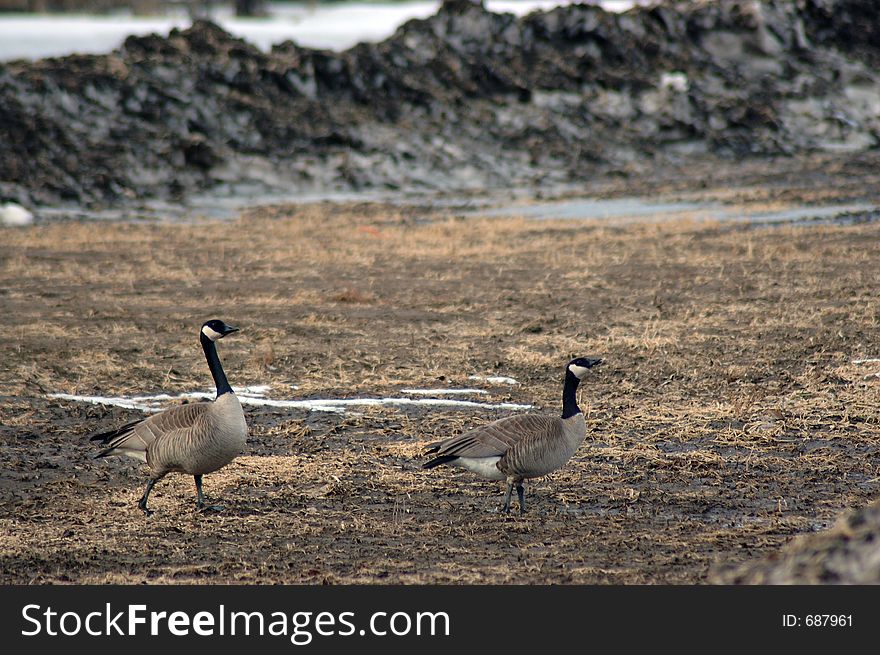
{"x": 494, "y": 379}
{"x": 442, "y": 392}
{"x": 157, "y": 403}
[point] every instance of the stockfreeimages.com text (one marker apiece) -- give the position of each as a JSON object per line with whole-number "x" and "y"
{"x": 300, "y": 627}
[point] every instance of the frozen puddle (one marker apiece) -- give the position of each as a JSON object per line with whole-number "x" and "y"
{"x": 622, "y": 210}
{"x": 256, "y": 395}
{"x": 587, "y": 208}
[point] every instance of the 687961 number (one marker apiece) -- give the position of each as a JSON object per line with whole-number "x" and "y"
{"x": 833, "y": 620}
{"x": 817, "y": 620}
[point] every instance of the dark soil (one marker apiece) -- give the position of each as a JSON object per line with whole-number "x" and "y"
{"x": 736, "y": 417}
{"x": 466, "y": 100}
{"x": 737, "y": 409}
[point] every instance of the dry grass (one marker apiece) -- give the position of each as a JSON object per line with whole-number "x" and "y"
{"x": 729, "y": 414}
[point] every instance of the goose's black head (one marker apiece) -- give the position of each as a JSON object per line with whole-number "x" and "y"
{"x": 579, "y": 366}
{"x": 217, "y": 329}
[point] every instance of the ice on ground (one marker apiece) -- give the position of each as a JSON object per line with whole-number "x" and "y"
{"x": 13, "y": 214}
{"x": 494, "y": 379}
{"x": 442, "y": 392}
{"x": 158, "y": 402}
{"x": 254, "y": 390}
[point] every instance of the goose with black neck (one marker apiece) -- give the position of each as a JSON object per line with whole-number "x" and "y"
{"x": 523, "y": 446}
{"x": 197, "y": 438}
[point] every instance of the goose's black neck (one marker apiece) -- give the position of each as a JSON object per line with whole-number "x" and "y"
{"x": 569, "y": 395}
{"x": 219, "y": 376}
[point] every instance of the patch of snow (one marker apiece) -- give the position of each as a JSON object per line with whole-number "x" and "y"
{"x": 337, "y": 26}
{"x": 494, "y": 379}
{"x": 143, "y": 403}
{"x": 442, "y": 392}
{"x": 253, "y": 390}
{"x": 675, "y": 81}
{"x": 157, "y": 403}
{"x": 13, "y": 214}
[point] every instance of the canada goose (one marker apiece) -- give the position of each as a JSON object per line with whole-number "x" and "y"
{"x": 197, "y": 438}
{"x": 522, "y": 446}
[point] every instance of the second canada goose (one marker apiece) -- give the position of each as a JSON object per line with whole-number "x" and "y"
{"x": 522, "y": 446}
{"x": 196, "y": 438}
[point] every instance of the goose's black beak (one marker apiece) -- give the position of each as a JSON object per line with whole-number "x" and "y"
{"x": 229, "y": 329}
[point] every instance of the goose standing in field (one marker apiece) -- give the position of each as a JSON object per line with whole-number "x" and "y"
{"x": 522, "y": 446}
{"x": 197, "y": 438}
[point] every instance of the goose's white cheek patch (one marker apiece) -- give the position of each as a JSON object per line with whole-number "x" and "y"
{"x": 578, "y": 371}
{"x": 211, "y": 334}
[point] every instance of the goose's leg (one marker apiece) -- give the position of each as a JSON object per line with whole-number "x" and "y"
{"x": 506, "y": 508}
{"x": 200, "y": 503}
{"x": 142, "y": 503}
{"x": 521, "y": 494}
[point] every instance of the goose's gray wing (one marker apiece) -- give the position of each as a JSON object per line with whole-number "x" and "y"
{"x": 135, "y": 439}
{"x": 544, "y": 450}
{"x": 496, "y": 438}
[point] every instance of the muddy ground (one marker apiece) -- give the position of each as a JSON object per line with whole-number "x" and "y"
{"x": 465, "y": 100}
{"x": 733, "y": 413}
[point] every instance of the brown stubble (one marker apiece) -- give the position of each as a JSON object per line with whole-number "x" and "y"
{"x": 729, "y": 414}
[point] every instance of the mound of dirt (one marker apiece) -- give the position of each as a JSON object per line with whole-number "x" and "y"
{"x": 466, "y": 99}
{"x": 848, "y": 553}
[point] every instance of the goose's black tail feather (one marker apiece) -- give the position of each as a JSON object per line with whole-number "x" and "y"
{"x": 108, "y": 438}
{"x": 437, "y": 461}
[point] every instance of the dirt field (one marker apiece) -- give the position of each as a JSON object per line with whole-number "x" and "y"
{"x": 731, "y": 414}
